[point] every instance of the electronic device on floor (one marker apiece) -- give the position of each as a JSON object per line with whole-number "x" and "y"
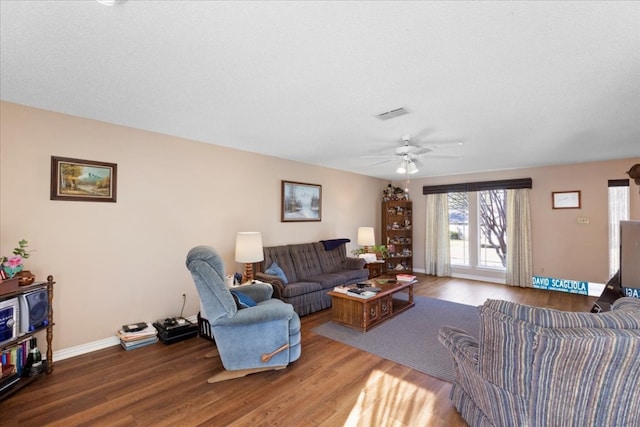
{"x": 175, "y": 329}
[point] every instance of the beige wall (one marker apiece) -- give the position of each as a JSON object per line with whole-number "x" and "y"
{"x": 562, "y": 248}
{"x": 122, "y": 262}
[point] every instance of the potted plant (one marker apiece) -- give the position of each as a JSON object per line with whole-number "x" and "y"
{"x": 14, "y": 266}
{"x": 358, "y": 251}
{"x": 381, "y": 251}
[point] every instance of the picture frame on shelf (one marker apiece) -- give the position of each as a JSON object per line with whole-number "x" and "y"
{"x": 301, "y": 202}
{"x": 566, "y": 199}
{"x": 83, "y": 180}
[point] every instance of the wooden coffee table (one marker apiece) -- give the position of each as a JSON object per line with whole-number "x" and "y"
{"x": 365, "y": 313}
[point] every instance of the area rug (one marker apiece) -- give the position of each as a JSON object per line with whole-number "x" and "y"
{"x": 411, "y": 338}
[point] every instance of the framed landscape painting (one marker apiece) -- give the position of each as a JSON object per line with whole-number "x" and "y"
{"x": 83, "y": 180}
{"x": 301, "y": 202}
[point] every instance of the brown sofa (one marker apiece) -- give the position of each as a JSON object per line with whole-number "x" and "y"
{"x": 311, "y": 270}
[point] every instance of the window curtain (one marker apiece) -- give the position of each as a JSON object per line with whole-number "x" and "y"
{"x": 519, "y": 264}
{"x": 437, "y": 261}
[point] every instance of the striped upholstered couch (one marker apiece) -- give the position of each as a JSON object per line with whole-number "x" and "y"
{"x": 543, "y": 367}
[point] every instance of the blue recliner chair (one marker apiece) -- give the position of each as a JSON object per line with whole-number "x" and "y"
{"x": 253, "y": 339}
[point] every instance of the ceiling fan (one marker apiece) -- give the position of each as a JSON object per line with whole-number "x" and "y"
{"x": 409, "y": 155}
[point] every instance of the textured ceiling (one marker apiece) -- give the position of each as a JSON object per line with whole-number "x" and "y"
{"x": 521, "y": 84}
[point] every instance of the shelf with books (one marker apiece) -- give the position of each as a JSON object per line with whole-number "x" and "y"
{"x": 20, "y": 357}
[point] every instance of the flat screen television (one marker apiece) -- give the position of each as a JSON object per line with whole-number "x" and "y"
{"x": 630, "y": 258}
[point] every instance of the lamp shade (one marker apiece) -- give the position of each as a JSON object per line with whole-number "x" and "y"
{"x": 412, "y": 168}
{"x": 249, "y": 246}
{"x": 366, "y": 236}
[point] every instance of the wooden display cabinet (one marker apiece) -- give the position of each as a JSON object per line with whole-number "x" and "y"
{"x": 397, "y": 234}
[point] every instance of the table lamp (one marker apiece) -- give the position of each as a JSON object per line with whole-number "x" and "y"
{"x": 366, "y": 237}
{"x": 249, "y": 250}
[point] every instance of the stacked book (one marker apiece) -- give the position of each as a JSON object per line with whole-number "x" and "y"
{"x": 405, "y": 278}
{"x": 132, "y": 338}
{"x": 363, "y": 291}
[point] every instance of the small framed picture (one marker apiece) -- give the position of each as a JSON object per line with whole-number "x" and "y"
{"x": 83, "y": 180}
{"x": 301, "y": 202}
{"x": 565, "y": 199}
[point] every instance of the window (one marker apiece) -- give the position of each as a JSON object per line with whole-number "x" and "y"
{"x": 488, "y": 238}
{"x": 618, "y": 211}
{"x": 493, "y": 228}
{"x": 478, "y": 226}
{"x": 458, "y": 228}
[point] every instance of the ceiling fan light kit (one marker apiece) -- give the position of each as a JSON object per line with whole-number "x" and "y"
{"x": 407, "y": 166}
{"x": 409, "y": 155}
{"x": 412, "y": 168}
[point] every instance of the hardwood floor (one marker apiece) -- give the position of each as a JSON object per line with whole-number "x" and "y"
{"x": 331, "y": 384}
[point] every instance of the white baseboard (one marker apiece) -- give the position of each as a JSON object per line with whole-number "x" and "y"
{"x": 81, "y": 349}
{"x": 480, "y": 278}
{"x": 468, "y": 276}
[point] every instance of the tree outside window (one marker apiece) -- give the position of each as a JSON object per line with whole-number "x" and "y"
{"x": 491, "y": 238}
{"x": 493, "y": 228}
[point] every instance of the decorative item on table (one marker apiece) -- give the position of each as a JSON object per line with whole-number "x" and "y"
{"x": 237, "y": 279}
{"x": 405, "y": 277}
{"x": 14, "y": 266}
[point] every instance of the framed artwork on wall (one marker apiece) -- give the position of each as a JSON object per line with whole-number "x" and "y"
{"x": 301, "y": 202}
{"x": 83, "y": 180}
{"x": 565, "y": 199}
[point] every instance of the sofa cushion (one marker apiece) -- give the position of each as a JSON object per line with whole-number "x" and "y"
{"x": 502, "y": 338}
{"x": 281, "y": 255}
{"x": 305, "y": 260}
{"x": 300, "y": 288}
{"x": 550, "y": 318}
{"x": 353, "y": 276}
{"x": 578, "y": 358}
{"x": 328, "y": 281}
{"x": 331, "y": 260}
{"x": 275, "y": 270}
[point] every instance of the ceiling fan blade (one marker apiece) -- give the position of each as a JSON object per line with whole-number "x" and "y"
{"x": 390, "y": 157}
{"x": 384, "y": 161}
{"x": 442, "y": 143}
{"x": 438, "y": 156}
{"x": 422, "y": 133}
{"x": 422, "y": 150}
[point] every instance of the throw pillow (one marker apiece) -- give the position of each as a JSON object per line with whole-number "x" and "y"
{"x": 275, "y": 270}
{"x": 242, "y": 300}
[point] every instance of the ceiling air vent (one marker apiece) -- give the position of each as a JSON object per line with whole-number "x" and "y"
{"x": 393, "y": 113}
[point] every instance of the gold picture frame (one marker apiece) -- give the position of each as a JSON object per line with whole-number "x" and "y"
{"x": 83, "y": 180}
{"x": 301, "y": 202}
